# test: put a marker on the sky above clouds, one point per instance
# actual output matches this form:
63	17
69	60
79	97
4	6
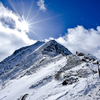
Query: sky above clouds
73	23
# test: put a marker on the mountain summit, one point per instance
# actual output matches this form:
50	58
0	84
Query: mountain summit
27	56
53	48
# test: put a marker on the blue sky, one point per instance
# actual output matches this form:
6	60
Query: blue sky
73	23
76	12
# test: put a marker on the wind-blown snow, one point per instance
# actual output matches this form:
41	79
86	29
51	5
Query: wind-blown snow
51	72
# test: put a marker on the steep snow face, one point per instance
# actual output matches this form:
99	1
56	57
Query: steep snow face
20	54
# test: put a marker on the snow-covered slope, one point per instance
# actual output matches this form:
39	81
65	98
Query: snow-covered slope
13	60
28	59
51	72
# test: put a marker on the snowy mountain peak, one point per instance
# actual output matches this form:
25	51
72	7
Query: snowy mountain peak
49	66
28	56
53	48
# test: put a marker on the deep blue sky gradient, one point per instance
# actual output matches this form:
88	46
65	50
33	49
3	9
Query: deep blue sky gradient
76	12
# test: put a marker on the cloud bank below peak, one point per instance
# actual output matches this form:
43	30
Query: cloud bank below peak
83	40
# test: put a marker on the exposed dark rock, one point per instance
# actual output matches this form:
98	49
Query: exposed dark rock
23	97
96	62
80	54
84	60
64	83
89	95
69	81
76	52
86	57
87	64
92	59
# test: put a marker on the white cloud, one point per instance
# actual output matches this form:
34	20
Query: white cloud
10	38
83	40
77	39
41	5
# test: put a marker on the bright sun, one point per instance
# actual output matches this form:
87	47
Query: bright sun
24	26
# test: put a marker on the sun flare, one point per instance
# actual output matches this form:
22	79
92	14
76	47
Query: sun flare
24	26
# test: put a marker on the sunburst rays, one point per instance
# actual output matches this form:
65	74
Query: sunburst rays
46	19
13	7
29	10
26	24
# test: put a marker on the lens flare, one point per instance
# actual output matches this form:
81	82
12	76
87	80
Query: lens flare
24	26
